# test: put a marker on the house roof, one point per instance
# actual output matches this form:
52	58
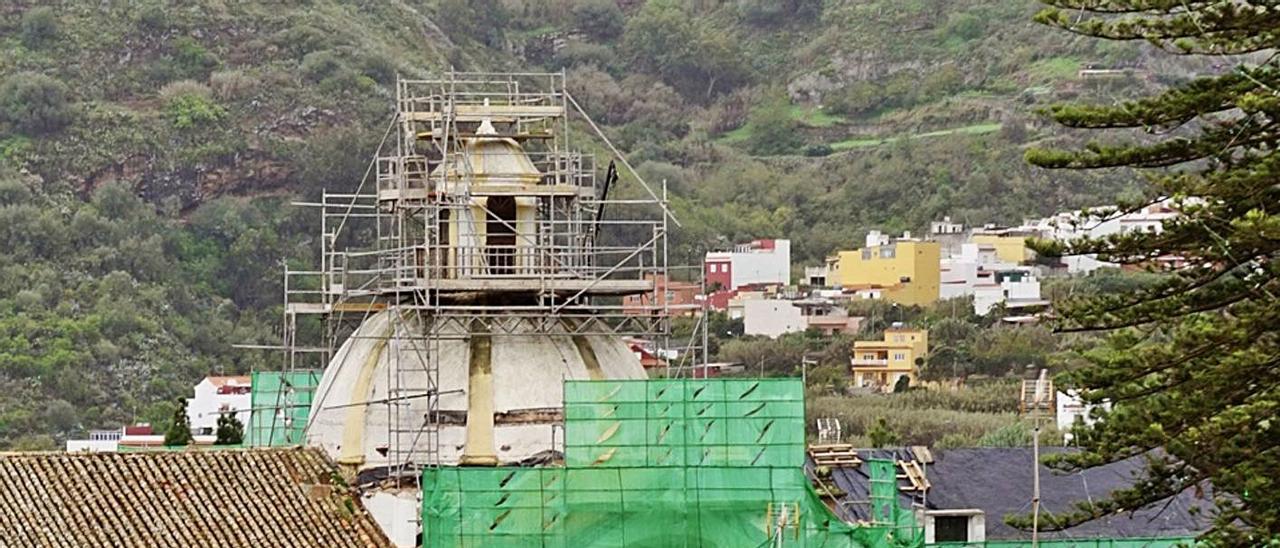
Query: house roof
250	498
237	380
998	481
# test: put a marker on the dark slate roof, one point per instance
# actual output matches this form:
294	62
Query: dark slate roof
998	481
232	498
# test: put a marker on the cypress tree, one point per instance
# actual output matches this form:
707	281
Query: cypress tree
230	430
1192	364
179	432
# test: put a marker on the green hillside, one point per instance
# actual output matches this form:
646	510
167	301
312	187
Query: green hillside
148	149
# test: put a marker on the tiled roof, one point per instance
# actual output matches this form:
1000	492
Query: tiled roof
239	380
251	498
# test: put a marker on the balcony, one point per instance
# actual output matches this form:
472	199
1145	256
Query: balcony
869	362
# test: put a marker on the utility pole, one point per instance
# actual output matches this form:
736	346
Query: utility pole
1042	392
805	362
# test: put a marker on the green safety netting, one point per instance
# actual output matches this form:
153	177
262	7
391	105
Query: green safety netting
281	402
1078	543
706	507
679	463
684	423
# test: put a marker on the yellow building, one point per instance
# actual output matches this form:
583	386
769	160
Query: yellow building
1009	249
903	271
879	364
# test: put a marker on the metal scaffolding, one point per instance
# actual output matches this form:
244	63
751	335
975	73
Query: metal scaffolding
452	237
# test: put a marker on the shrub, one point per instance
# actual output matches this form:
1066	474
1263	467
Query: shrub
39	25
319	65
192	60
34	103
188	105
965	26
599	19
577	54
817	150
151	16
303	39
231	84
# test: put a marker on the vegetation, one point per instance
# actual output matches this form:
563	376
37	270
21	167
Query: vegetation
978	415
148	151
179	431
230	430
1190	367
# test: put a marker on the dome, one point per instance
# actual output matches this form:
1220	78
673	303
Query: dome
493	160
501	395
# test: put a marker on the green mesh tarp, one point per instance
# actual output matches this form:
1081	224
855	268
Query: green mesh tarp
1078	543
662	463
707	507
684	422
281	403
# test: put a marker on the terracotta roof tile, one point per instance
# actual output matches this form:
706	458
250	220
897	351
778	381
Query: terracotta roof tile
232	498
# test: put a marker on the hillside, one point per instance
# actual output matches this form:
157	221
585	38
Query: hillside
148	149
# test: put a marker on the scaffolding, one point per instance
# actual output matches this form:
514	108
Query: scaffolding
479	215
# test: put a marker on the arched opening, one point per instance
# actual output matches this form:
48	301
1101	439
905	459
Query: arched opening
500	235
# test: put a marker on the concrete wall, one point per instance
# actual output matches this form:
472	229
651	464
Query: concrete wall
771	317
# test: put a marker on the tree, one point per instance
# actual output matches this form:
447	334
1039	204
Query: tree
600	19
1191	366
880	435
773	131
179	432
902	385
34	103
230	430
693	56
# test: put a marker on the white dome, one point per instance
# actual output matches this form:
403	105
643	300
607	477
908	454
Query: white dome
501	394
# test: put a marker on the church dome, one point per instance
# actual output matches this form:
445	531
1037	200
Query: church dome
501	393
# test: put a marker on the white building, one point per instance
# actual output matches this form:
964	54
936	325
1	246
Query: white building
979	273
761	262
137	436
100	441
1103	222
1071	408
215	396
774	317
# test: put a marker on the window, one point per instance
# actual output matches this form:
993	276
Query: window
888	252
866	254
899	356
951	529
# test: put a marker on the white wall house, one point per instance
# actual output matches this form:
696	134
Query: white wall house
762	262
771	317
99	441
215	396
1071	407
1072	225
977	272
774	317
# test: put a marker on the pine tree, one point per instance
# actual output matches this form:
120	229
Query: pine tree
179	432
230	430
1192	366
